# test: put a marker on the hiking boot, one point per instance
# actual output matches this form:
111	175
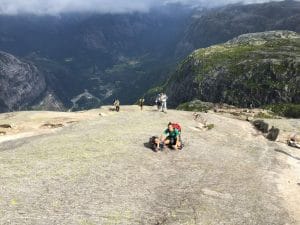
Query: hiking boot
161	146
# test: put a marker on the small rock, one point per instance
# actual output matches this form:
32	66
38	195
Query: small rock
249	118
6	126
52	126
72	121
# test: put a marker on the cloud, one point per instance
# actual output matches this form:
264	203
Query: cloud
61	6
102	6
213	3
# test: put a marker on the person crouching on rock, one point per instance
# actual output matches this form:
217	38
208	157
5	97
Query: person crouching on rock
171	137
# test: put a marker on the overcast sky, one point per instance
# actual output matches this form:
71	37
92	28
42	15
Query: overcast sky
103	6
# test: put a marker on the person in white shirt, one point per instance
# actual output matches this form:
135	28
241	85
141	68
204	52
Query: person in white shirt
164	99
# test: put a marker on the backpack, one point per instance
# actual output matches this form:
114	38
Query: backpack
152	144
177	126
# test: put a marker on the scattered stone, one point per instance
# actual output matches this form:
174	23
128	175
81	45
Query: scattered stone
2	133
52	126
73	121
6	126
249	118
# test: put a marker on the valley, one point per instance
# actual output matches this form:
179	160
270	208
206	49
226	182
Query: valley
124	55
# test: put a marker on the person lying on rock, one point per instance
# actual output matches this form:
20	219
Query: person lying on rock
170	138
294	141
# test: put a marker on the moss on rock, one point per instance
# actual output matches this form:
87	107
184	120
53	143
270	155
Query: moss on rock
253	69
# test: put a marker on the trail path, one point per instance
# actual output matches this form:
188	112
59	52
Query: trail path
98	171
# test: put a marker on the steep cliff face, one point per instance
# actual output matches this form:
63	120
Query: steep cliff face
110	55
20	83
258	69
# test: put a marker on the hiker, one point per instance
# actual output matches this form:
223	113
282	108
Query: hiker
141	103
164	99
294	141
117	104
171	136
158	101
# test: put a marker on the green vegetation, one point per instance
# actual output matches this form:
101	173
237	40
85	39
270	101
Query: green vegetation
263	115
254	69
287	110
156	90
151	94
123	67
195	106
230	55
210	126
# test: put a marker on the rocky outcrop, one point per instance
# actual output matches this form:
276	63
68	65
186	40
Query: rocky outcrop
21	83
253	69
218	25
85	101
49	102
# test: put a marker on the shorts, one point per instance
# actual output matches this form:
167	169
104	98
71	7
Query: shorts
172	140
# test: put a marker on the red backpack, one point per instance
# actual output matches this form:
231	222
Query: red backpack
177	126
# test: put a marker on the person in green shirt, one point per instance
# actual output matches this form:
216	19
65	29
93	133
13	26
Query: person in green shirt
171	137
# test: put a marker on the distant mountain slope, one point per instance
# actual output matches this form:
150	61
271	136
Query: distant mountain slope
257	69
123	55
106	54
21	83
208	27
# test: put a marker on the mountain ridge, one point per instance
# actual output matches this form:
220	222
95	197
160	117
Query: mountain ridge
122	56
252	69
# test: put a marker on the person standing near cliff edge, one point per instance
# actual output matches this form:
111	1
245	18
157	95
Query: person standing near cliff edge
141	103
117	104
164	99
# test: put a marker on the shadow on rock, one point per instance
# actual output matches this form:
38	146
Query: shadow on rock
149	146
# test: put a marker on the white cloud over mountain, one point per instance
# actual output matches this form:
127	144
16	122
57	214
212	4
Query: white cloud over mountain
102	6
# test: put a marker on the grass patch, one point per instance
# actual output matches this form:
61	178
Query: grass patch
195	106
210	126
285	109
263	115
